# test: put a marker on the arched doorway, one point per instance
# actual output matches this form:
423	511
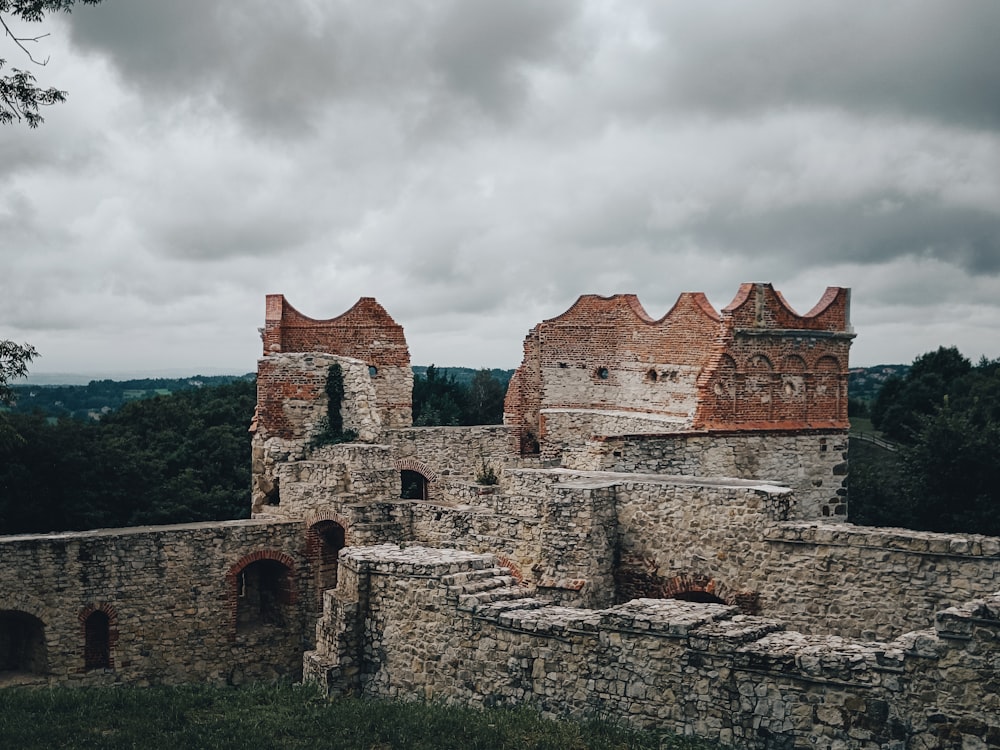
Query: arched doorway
327	539
22	643
413	485
263	595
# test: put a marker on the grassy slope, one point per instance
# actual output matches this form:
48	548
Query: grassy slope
287	717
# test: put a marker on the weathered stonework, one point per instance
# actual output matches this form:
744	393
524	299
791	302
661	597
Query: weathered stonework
173	595
700	457
451	626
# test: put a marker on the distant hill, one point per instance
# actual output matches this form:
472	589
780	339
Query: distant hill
864	383
99	397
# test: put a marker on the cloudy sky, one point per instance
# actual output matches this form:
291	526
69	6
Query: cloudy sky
476	165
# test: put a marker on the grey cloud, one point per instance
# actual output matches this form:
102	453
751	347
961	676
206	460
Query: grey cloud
937	60
482	46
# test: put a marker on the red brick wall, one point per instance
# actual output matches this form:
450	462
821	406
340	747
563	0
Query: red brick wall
757	365
365	332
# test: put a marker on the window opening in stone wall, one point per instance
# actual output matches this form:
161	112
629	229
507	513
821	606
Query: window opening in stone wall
264	595
22	643
651	376
97	641
702	597
602	373
331	538
413	485
372	371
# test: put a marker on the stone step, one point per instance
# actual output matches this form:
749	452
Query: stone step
495	610
466	576
472	602
479	587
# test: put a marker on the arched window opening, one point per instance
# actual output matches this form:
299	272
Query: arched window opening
702	597
263	595
602	373
331	538
413	485
22	643
651	376
97	641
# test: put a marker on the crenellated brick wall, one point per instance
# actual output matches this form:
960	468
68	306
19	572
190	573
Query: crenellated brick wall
756	366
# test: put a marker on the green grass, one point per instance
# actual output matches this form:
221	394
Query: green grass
288	717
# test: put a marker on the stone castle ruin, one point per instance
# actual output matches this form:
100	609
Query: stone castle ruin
665	543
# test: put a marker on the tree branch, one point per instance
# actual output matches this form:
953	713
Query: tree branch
19	41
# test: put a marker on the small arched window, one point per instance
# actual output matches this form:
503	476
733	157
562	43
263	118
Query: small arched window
602	373
413	485
97	641
263	595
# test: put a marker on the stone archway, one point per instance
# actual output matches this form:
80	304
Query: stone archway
415	479
22	643
261	590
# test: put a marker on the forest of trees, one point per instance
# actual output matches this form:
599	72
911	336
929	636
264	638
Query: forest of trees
173	458
944	414
185	457
168	459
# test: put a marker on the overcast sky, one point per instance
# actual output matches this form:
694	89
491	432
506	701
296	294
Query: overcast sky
476	165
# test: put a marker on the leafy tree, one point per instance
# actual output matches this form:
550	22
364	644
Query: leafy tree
20	97
485	399
14	359
946	475
170	459
903	402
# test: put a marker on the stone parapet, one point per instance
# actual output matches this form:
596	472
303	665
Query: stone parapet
686	667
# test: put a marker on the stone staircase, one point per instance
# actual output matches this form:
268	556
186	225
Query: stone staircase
490	590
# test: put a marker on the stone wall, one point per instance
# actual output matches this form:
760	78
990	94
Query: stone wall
451	626
813	464
366	332
179	604
445	453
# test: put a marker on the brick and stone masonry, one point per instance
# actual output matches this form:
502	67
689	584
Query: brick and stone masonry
666	544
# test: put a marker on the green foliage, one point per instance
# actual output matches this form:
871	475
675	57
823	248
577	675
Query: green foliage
98	397
440	398
14	359
20	98
282	716
945	413
331	427
170	459
486	474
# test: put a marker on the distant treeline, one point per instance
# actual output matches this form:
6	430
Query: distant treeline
458	396
168	459
99	397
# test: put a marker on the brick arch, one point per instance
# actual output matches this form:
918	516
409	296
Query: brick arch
323	559
112	636
515	569
329	515
412	464
747	601
232	575
793	363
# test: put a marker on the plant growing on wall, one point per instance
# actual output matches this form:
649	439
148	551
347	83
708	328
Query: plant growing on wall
331	426
486	474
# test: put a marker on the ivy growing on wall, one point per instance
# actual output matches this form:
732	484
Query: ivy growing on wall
332	425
